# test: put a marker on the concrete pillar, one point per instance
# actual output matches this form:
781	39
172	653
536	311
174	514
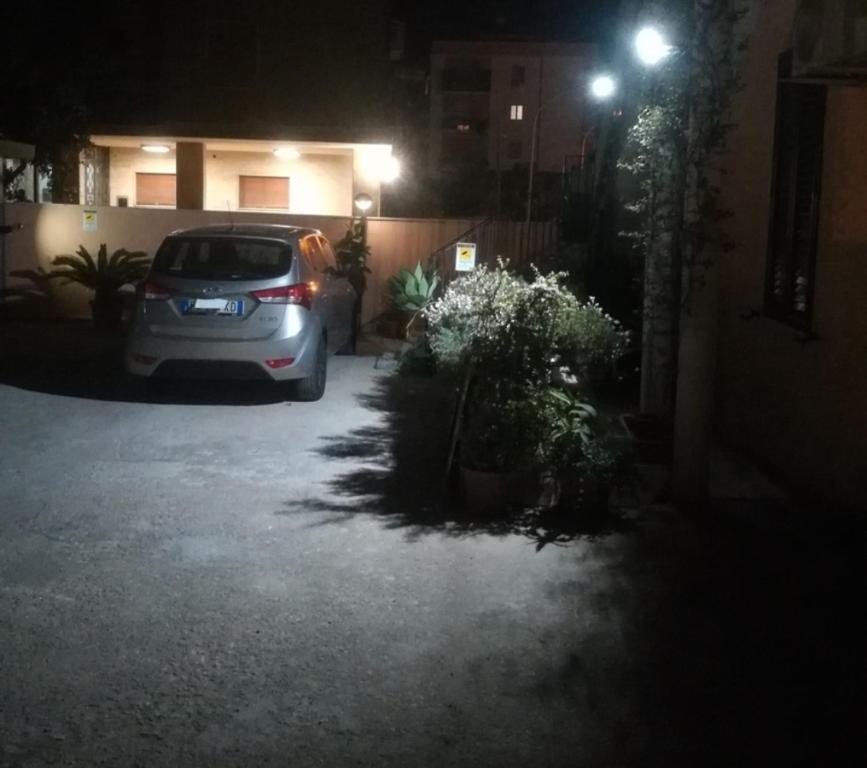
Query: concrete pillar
190	175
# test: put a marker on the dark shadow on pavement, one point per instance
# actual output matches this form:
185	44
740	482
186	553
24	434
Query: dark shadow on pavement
396	471
709	641
71	359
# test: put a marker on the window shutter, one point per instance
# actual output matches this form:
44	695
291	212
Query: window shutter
155	189
264	192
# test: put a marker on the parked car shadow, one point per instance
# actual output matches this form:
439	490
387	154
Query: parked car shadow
396	471
73	360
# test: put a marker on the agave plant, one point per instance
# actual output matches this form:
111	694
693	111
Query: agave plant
413	291
104	275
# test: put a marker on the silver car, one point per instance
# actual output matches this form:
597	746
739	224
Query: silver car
242	301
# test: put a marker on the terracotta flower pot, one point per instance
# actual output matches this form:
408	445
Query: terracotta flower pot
496	491
107	311
487	492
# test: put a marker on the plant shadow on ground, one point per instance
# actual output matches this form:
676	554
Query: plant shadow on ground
396	471
710	641
72	360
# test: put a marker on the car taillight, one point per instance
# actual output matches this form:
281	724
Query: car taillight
301	294
155	292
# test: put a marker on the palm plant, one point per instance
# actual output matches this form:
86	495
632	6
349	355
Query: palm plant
104	275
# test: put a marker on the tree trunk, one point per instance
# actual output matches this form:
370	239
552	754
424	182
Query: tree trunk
693	422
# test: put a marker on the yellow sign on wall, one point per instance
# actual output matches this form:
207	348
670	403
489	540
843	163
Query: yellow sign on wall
465	257
89	221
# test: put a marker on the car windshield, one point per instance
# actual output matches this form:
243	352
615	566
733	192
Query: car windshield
222	258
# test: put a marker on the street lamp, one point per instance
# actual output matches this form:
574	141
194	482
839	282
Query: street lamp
603	87
651	47
363	201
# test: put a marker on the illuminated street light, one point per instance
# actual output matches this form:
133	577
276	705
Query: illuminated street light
603	87
650	46
363	201
390	170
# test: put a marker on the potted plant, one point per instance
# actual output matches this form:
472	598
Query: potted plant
409	293
352	253
519	428
105	276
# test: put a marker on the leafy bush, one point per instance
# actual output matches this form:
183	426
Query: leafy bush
522	328
352	253
590	339
514	337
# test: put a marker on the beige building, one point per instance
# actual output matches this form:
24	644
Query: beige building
279	176
792	369
486	97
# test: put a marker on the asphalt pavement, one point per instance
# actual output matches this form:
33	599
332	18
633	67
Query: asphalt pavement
219	576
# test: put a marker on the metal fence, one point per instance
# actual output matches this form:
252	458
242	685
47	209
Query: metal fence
514	241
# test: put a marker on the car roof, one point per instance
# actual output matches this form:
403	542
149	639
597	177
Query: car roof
283	232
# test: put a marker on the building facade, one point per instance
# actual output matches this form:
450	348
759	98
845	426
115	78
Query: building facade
791	384
489	99
276	176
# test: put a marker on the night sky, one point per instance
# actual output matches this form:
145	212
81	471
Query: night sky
567	20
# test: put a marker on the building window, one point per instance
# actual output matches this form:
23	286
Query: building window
263	192
797	177
156	189
462	127
514	150
516	112
519	74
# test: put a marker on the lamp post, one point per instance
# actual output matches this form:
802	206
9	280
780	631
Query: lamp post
363	201
602	88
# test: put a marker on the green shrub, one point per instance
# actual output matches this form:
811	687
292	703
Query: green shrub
526	328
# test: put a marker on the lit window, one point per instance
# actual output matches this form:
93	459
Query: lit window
516	112
462	127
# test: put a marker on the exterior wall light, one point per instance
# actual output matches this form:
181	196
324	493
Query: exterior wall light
603	87
390	170
287	153
156	149
363	201
651	47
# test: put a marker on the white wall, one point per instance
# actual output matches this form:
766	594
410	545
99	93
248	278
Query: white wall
49	230
319	184
126	163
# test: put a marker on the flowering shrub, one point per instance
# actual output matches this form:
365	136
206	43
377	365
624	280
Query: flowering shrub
524	328
513	338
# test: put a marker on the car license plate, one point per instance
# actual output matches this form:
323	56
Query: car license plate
217	306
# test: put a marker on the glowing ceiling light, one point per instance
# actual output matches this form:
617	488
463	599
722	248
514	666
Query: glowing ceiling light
287	153
156	149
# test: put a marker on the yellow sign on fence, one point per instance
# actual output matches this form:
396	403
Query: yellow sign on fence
465	257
